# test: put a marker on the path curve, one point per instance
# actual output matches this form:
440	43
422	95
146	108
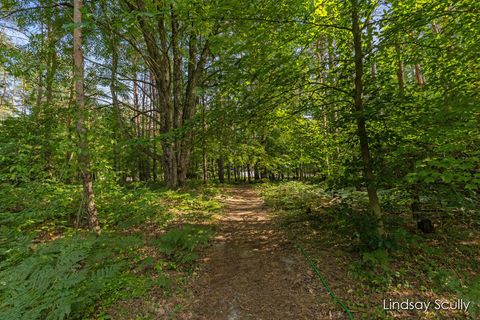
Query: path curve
252	272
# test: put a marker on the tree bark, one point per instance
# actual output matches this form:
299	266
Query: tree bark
119	130
221	171
256	172
49	79
229	168
176	60
419	75
361	121
83	156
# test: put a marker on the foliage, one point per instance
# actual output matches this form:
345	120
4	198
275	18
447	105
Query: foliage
31	206
49	270
57	280
342	101
182	243
292	195
439	264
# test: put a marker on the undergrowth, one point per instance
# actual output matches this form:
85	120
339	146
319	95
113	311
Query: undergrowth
51	268
443	264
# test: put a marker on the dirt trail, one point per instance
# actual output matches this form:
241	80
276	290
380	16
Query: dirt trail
252	272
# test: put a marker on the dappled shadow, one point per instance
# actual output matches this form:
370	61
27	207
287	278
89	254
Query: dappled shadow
251	271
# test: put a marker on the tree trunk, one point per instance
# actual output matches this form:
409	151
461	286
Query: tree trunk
115	103
221	171
373	69
176	60
154	126
83	156
229	168
49	79
361	121
419	75
400	69
4	83
256	172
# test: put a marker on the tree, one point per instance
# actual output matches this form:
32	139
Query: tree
176	54
82	113
360	115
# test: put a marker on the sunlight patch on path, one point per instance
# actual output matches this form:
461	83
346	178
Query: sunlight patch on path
251	271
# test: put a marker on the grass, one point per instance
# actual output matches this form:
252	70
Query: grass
151	238
364	268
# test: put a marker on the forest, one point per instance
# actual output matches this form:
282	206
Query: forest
227	159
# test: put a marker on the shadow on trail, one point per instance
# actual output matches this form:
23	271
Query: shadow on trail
252	272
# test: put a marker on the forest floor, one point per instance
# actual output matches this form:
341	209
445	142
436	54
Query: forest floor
226	252
252	271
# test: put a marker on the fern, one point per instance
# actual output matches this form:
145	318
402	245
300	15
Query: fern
14	246
55	282
180	244
34	288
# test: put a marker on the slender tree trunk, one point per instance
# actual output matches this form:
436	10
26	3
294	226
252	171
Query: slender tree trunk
204	147
361	121
229	168
118	128
221	171
70	134
49	79
39	98
213	168
145	130
178	155
373	69
14	93
419	75
83	156
154	125
400	69
24	102
4	88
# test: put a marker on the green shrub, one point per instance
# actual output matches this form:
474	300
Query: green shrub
292	195
373	268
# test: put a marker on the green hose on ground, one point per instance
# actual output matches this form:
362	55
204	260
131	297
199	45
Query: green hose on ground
330	292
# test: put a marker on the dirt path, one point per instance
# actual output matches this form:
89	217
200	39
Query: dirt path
252	272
